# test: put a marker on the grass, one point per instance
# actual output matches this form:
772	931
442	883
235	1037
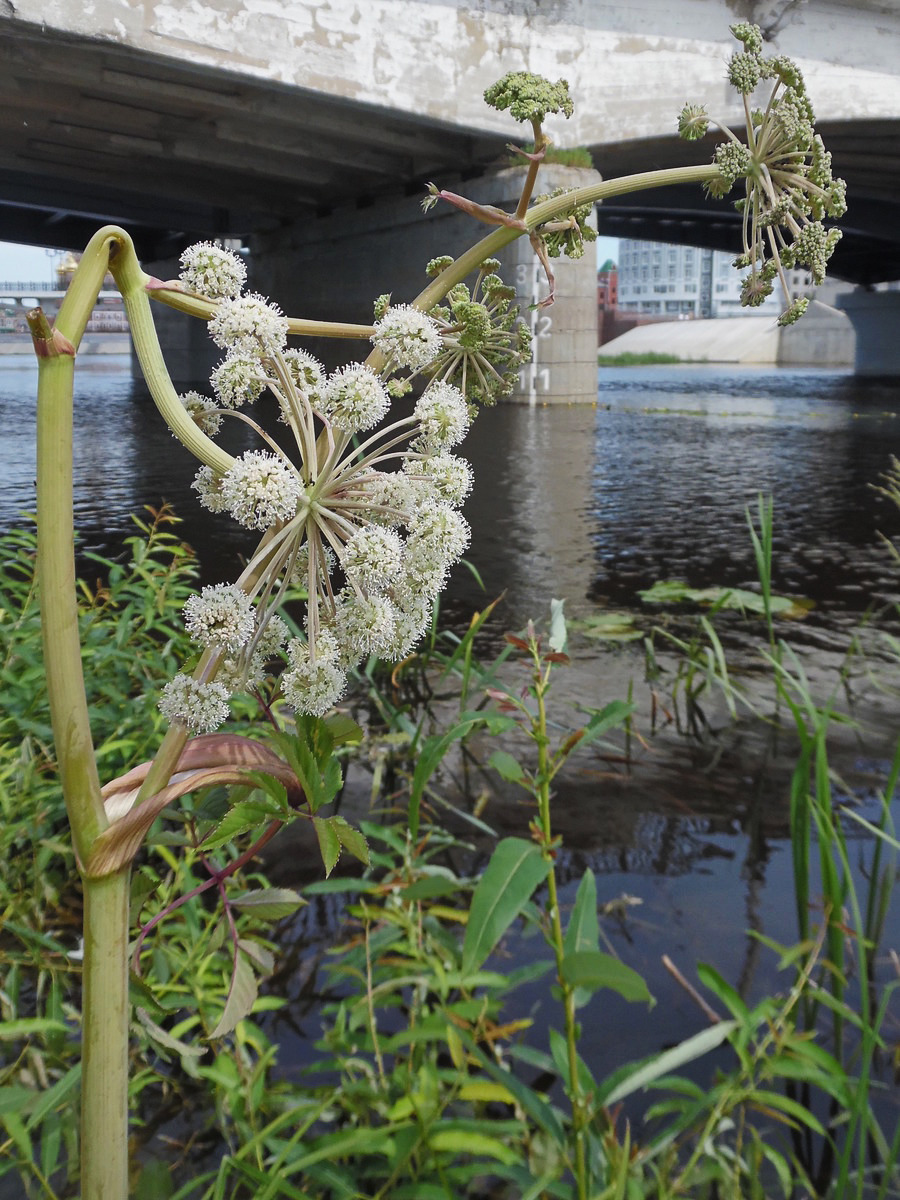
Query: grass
646	358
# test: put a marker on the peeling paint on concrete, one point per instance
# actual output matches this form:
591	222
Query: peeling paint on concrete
628	65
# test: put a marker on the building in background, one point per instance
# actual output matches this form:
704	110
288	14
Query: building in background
684	282
106	330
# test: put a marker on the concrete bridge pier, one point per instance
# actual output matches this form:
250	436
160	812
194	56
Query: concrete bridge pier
876	320
334	267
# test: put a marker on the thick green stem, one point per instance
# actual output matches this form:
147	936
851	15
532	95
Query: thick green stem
59	609
104	1085
104	1035
170	293
533	167
132	283
550	210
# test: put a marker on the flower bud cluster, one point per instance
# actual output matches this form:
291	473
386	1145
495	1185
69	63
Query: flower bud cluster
529	97
485	341
786	171
574	232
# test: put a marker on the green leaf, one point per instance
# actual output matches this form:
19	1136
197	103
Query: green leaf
674	592
609	717
558	633
241	996
611	627
506	766
635	1076
343	729
559	1050
165	1039
593	970
25	1027
467	1141
249	814
713	980
528	1099
154	1182
433	750
515	870
329	842
430	886
269	903
53	1096
311	757
351	839
583	930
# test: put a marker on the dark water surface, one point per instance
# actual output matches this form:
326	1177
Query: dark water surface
591	504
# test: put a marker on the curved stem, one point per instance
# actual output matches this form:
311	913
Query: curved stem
548	210
197	306
104	1084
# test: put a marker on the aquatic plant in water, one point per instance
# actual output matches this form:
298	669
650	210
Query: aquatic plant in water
363	516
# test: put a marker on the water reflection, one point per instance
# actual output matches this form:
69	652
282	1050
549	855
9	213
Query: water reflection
583	503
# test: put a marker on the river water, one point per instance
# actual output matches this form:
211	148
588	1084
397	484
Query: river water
591	504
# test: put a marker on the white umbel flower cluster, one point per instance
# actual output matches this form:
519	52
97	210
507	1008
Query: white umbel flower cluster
367	522
407	337
203	412
260	489
443	415
200	707
237	381
222	615
249	325
355	399
213	272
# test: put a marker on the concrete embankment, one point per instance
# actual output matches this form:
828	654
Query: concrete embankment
97	343
823	337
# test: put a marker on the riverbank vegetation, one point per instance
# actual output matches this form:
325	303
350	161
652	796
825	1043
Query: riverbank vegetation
432	1075
631	358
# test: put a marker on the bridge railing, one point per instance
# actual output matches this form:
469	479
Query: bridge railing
26	288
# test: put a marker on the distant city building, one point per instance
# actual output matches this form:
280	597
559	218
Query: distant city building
683	282
608	285
17	299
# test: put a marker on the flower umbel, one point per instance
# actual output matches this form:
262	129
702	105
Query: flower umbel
788	185
366	522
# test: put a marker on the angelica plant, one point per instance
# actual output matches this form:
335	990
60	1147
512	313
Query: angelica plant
359	508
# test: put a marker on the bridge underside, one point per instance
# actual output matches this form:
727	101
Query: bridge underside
865	154
91	132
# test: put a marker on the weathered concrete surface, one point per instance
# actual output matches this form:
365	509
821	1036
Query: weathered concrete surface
335	267
824	337
876	319
627	63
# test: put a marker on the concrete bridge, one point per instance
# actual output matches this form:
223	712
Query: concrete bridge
303	126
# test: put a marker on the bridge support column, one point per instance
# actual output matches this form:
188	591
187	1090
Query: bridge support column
876	319
334	267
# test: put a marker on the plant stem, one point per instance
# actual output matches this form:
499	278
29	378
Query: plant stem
544	773
549	210
104	1033
104	1083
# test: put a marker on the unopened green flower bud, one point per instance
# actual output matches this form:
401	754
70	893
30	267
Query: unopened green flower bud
529	97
